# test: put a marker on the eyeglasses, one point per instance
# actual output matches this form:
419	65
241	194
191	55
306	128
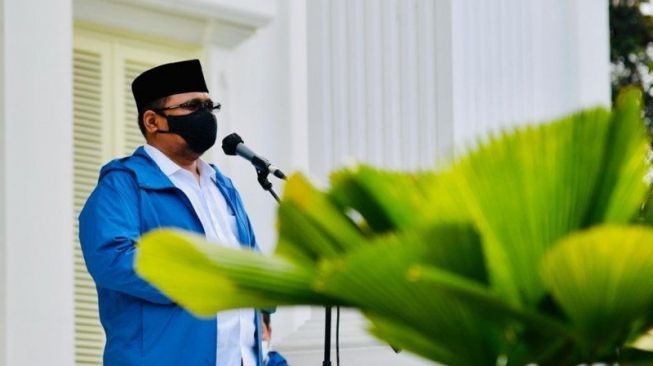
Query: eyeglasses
193	106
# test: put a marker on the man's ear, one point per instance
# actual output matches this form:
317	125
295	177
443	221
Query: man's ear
149	121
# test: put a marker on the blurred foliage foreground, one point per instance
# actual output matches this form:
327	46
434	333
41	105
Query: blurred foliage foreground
532	248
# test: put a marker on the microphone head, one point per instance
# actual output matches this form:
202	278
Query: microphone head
230	142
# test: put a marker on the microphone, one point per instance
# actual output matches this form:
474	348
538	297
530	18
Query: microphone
234	145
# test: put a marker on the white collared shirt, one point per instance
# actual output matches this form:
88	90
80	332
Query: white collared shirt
235	327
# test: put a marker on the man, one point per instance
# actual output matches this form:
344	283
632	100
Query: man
166	184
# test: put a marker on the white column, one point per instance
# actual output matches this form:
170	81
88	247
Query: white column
320	103
298	87
379	83
3	231
592	42
36	183
442	85
517	62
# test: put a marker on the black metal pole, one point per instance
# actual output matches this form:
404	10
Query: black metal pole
262	175
327	336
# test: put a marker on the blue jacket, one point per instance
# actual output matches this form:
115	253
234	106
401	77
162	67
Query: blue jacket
276	359
142	325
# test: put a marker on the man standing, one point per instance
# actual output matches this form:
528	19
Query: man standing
166	184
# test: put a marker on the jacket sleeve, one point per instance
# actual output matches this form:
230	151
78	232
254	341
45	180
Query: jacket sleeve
109	226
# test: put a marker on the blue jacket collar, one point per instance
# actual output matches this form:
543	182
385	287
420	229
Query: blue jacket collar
147	172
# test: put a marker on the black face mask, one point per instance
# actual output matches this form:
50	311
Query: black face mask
199	129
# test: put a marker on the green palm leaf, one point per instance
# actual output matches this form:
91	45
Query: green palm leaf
527	189
205	277
603	279
311	225
633	356
373	278
393	201
621	186
405	337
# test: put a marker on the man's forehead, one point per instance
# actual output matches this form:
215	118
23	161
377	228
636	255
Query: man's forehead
183	97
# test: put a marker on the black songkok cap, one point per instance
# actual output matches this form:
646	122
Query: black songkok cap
168	79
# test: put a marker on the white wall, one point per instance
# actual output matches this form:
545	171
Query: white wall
399	83
592	35
36	184
519	61
380	84
251	82
3	232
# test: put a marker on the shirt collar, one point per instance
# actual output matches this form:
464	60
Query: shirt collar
206	170
169	167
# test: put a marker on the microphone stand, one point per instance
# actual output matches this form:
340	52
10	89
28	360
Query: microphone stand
262	176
